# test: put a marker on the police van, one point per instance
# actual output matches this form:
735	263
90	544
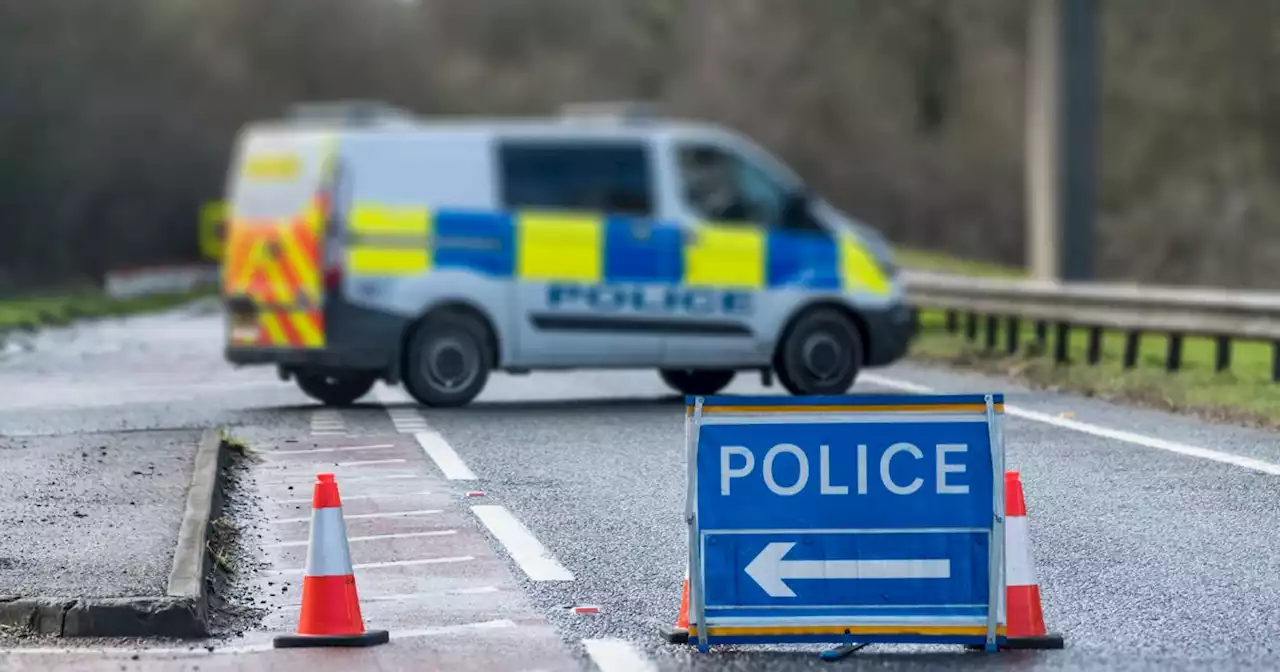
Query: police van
366	244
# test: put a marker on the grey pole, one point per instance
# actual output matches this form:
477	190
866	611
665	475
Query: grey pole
1062	138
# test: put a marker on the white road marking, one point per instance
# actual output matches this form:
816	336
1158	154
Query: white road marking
345	498
327	423
366	463
408	422
616	655
308	480
359	516
1270	468
201	652
391	563
529	553
410	597
372	537
344	449
440	452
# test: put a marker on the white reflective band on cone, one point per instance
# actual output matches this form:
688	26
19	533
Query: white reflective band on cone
328	554
1019	566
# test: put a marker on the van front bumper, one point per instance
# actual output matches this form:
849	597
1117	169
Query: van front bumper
320	359
890	332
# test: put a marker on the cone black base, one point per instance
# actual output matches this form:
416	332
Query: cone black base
675	635
1050	642
369	638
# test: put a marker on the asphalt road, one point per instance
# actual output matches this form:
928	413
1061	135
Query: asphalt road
1155	535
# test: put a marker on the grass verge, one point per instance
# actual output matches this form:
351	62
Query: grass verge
1243	394
34	313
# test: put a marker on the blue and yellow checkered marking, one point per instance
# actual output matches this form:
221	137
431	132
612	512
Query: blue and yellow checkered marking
641	251
589	248
483	242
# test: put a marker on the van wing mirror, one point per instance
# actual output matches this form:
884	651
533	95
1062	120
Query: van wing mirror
795	211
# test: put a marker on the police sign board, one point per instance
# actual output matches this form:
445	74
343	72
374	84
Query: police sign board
846	519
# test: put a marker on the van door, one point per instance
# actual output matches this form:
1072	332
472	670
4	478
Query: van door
591	263
271	275
745	249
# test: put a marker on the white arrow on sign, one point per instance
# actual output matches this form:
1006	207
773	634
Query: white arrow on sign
770	571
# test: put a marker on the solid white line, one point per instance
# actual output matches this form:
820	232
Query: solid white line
327	450
1103	432
366	463
536	561
345	498
440	452
616	655
372	537
389	514
392	563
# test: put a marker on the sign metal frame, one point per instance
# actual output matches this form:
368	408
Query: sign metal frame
702	632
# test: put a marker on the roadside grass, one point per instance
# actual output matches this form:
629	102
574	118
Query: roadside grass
34	313
1243	394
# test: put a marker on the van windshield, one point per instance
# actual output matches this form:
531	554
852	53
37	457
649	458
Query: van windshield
275	176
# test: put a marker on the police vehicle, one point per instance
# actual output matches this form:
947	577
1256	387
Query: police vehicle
366	244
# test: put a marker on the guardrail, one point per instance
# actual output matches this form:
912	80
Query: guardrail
1223	315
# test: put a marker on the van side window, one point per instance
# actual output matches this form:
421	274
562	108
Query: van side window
721	186
601	177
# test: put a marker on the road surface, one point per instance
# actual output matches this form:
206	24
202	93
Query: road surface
1156	536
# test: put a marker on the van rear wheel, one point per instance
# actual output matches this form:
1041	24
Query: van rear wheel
336	389
697	381
820	354
449	360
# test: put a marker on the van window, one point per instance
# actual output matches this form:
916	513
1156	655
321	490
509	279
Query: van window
722	186
607	177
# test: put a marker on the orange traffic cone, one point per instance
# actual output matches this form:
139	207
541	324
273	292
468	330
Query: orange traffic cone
330	606
680	633
1022	589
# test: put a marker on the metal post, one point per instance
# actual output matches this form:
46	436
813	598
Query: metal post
1062	128
995	564
698	619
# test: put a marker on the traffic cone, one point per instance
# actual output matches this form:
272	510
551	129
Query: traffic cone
330	606
1022	589
680	633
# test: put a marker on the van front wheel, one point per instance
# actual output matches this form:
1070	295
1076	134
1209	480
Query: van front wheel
336	390
697	381
449	361
820	354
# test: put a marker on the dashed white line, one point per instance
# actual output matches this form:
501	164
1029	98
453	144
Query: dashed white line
616	655
440	452
343	449
372	537
364	516
327	423
529	553
408	422
1099	431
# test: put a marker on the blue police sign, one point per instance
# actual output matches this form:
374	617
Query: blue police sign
846	519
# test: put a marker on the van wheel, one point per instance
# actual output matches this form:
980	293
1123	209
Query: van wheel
338	389
697	381
820	354
449	360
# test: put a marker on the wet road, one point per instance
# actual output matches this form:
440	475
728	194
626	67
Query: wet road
1155	535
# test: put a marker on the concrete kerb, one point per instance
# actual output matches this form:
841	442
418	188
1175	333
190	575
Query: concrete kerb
182	613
